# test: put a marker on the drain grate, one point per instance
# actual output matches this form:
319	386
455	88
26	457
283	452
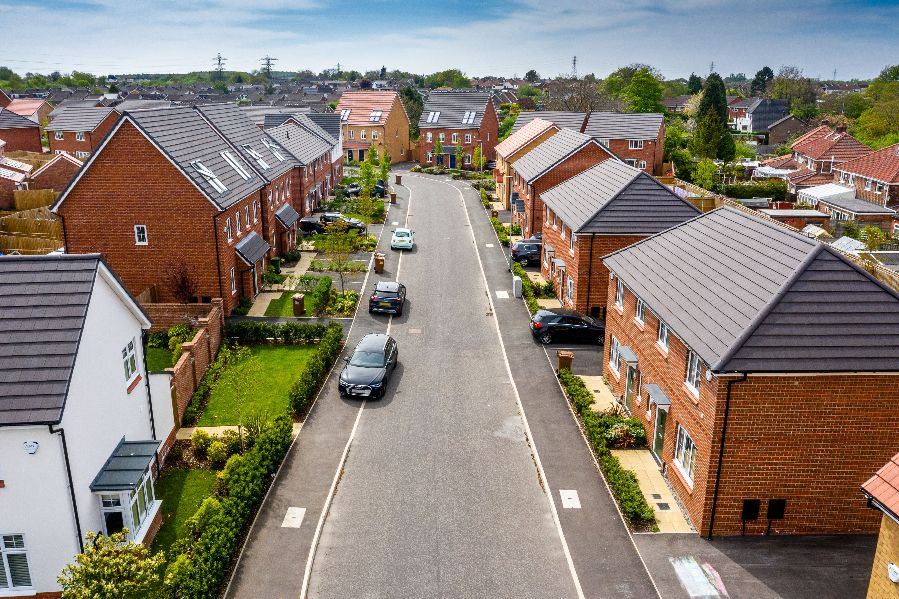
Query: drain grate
663	506
656	496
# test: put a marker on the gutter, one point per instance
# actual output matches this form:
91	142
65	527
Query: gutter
218	260
143	340
65	453
730	384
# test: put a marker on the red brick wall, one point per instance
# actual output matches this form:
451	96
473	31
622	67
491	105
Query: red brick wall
7	197
449	148
25	138
57	176
812	440
799	222
889	197
92	139
652	152
489	131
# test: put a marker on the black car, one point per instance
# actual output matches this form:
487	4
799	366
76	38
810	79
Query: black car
311	225
561	324
388	296
527	251
329	218
368	370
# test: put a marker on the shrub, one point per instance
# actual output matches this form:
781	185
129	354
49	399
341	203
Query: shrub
317	266
306	283
158	339
200	441
515	230
315	369
343	303
231	439
178	334
484	199
770	188
502	232
243	306
549	289
415	169
249	332
378	212
321	294
527	287
217	453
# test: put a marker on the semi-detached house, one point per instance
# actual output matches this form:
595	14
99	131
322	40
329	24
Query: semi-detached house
374	117
637	138
514	147
77	131
455	119
757	360
182	188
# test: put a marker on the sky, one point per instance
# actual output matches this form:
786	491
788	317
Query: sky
857	39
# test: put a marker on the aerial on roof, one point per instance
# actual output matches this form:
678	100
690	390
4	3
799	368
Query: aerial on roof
457	109
562	119
883	488
882	165
79	118
749	295
522	137
619	125
613	198
11	120
560	146
836	147
359	107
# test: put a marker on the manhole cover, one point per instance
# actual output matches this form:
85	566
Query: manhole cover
663	506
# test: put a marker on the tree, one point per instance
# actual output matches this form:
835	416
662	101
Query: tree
706	174
707	136
114	568
367	169
644	93
383	74
337	246
365	84
851	105
694	83
799	91
414	104
242	375
532	76
619	79
438	151
675	137
576	96
761	81
179	281
889	73
508	115
873	237
453	78
714	98
529	91
727	148
460	156
384	165
479	160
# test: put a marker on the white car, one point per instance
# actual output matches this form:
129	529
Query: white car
402	239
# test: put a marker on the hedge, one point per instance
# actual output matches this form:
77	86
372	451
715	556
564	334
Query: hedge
772	188
623	482
315	369
199	561
527	288
502	232
247	332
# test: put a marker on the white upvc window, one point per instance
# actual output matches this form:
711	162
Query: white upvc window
210	177
374	134
641	164
442	137
433	117
129	359
685	453
614	354
635	144
468	138
868	184
127	509
662	338
288	187
238	167
271	201
455	138
233	283
402	151
429	136
430	156
570	288
15	575
229	233
878	188
352	134
362	133
571	241
81	155
468	159
842	177
603	142
640	312
246	214
255	212
140	235
619	294
345	114
79	136
694	369
237	225
375	116
273	149
57	135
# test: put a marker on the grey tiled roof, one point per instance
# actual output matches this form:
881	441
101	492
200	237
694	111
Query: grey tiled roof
748	295
238	129
536	162
79	118
452	106
624	125
43	304
252	248
855	205
63	106
329	121
287	216
141	105
11	120
125	467
185	136
562	119
613	198
302	145
310	125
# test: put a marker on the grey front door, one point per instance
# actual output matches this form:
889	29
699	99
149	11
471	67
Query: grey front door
658	440
630	388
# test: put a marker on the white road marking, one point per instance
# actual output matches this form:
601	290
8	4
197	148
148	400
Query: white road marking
395	223
490	245
294	517
570	500
693	578
501	294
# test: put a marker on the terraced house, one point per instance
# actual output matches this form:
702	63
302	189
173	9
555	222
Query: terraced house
374	117
637	138
757	360
183	189
457	118
78	131
514	147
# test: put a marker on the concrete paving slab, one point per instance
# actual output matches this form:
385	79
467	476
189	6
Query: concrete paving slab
669	516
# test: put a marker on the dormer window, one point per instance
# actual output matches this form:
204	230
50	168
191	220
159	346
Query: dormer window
238	167
345	114
256	156
433	116
375	116
274	150
210	177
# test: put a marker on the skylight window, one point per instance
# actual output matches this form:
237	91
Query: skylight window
209	176
345	114
468	118
229	158
256	156
375	116
274	150
433	116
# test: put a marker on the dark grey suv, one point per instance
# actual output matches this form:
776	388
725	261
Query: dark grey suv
368	370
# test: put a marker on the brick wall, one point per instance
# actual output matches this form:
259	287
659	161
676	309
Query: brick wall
7	195
812	440
799	222
56	176
651	153
92	139
489	131
881	587
449	148
889	197
24	138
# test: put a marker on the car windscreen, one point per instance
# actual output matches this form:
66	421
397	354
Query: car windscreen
382	293
367	359
402	234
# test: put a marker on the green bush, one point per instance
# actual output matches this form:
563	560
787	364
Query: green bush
320	295
600	429
770	188
249	332
515	230
159	339
416	169
178	334
243	306
306	283
343	303
502	232
315	369
231	439
200	441
527	287
484	199
217	453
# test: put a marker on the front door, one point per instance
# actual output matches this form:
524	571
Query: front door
452	161
658	440
630	388
361	155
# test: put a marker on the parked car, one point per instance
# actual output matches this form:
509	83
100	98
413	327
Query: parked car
527	251
310	224
403	239
354	189
368	370
389	297
561	324
329	218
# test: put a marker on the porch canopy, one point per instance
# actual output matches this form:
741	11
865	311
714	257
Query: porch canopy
126	466
287	216
628	355
657	396
252	248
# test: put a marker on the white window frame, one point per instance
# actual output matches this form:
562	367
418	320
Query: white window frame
4	562
640	311
455	138
878	188
246	215
57	135
81	154
138	229
868	184
352	134
429	136
685	454
237	224
694	372
233	282
210	177
362	134
615	355
641	164
430	157
274	150
374	134
79	136
233	163
256	156
129	361
571	241
570	288
229	232
345	114
619	294
468	138
635	144
441	136
467	159
603	142
255	212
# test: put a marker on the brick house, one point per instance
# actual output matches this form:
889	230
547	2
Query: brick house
557	159
865	214
825	149
576	121
56	173
329	122
35	110
798	218
757	360
781	130
314	154
512	148
77	131
755	115
874	176
603	209
19	133
181	186
882	493
637	138
377	117
457	118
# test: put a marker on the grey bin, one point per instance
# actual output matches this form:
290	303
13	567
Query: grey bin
516	286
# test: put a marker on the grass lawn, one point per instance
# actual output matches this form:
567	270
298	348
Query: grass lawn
158	359
279	366
283	306
181	492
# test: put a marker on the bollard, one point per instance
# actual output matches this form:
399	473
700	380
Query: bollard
516	286
393	197
399	179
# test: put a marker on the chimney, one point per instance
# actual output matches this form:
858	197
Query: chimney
841	129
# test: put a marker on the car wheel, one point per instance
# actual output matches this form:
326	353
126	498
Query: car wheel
546	338
523	261
399	312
